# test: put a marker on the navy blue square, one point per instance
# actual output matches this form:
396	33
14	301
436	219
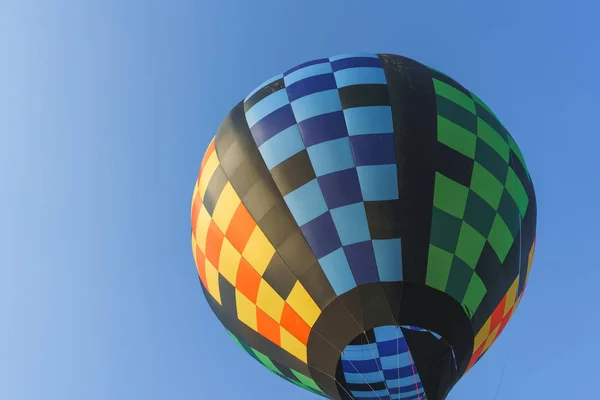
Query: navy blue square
272	124
323	128
306	64
378	149
340	188
361	258
355	62
321	235
314	84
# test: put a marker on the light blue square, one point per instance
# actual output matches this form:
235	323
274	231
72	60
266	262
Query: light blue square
388	254
352	55
332	156
351	223
409	395
366	377
306	203
266	106
369	120
377	394
406	381
361	352
395	362
307	72
378	182
360	76
319	103
387	333
337	270
282	146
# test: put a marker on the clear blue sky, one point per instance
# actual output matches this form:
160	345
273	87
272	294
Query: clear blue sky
106	109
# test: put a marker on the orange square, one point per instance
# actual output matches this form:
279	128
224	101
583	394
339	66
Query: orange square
248	280
241	227
268	327
498	314
195	211
200	267
207	154
214	240
294	324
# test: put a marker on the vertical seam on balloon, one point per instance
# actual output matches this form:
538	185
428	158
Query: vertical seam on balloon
262	278
303	237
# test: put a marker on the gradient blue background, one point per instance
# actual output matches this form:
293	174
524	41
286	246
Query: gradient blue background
106	109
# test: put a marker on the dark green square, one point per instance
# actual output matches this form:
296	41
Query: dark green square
509	211
479	214
444	230
459	279
457	114
491	160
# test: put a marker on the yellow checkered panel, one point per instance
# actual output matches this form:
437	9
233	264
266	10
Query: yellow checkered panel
227	242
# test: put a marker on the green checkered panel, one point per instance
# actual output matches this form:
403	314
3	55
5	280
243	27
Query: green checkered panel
480	200
288	374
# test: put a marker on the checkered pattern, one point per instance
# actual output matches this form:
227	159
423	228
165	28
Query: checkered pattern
234	256
496	323
479	199
332	117
288	374
382	369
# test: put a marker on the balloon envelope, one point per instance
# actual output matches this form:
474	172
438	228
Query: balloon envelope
364	227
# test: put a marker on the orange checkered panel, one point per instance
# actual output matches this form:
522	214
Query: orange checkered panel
496	323
229	244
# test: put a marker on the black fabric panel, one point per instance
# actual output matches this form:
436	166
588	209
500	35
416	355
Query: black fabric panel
264	92
296	253
434	362
339	327
353	304
278	223
453	165
364	96
317	285
248	174
213	190
412	304
375	308
293	173
385	219
279	276
414	113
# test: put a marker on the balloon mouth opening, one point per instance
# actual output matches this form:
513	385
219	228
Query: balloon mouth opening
379	363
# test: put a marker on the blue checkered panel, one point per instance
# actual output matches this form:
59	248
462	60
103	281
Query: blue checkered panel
383	369
330	148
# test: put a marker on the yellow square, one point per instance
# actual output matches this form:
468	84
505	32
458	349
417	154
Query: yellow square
483	333
303	304
246	310
258	251
229	260
209	169
269	301
194	249
212	281
202	224
511	296
226	206
492	338
292	345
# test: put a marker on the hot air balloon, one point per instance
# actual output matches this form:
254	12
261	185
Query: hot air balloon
364	227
